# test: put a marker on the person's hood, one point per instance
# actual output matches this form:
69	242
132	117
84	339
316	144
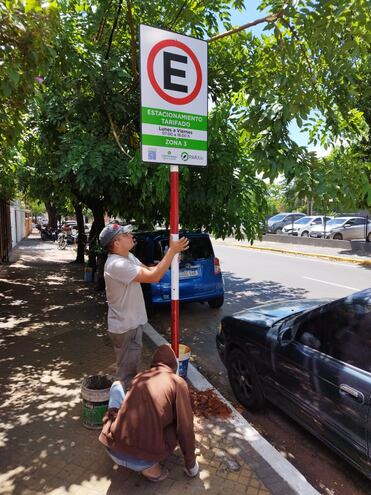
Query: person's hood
164	354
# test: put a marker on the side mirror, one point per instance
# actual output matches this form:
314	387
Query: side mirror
286	336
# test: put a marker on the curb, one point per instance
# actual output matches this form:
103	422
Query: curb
301	253
284	469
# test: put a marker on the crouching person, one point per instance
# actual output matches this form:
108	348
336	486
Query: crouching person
142	428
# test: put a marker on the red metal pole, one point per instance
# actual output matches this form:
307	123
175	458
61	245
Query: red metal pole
174	234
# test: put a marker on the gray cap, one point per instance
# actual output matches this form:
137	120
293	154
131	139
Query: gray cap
111	231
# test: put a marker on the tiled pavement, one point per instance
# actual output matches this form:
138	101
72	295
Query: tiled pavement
52	334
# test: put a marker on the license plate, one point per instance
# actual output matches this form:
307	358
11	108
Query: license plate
188	273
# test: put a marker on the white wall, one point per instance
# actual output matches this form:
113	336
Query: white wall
17	218
13	225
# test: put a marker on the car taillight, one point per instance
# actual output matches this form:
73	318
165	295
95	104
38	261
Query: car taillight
216	266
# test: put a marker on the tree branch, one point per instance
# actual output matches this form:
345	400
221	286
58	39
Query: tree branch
133	48
102	22
113	29
268	18
114	133
178	14
300	43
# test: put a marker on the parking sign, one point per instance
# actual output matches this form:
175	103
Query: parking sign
173	71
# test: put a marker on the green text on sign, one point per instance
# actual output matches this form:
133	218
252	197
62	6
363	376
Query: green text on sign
169	142
173	118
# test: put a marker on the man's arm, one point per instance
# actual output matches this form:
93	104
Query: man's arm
148	275
185	430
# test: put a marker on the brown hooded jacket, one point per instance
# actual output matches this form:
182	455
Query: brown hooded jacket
155	415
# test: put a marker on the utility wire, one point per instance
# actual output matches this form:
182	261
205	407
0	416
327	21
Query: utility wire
178	14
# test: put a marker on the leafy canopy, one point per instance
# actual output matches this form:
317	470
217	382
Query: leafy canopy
83	124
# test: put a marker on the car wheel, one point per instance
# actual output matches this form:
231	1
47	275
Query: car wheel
278	231
305	234
216	303
338	236
369	237
244	380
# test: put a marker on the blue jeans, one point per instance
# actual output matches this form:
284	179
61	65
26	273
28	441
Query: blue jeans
116	397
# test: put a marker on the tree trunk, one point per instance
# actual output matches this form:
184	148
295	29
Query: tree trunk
52	214
96	259
81	240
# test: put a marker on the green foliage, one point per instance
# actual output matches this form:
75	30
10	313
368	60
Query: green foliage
276	200
82	122
26	53
37	207
313	58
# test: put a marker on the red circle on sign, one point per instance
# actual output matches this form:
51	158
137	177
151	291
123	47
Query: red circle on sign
151	59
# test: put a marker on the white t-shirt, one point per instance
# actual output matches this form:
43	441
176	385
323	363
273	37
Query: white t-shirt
126	308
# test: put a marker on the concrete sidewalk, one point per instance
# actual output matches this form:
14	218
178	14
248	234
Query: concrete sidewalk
54	333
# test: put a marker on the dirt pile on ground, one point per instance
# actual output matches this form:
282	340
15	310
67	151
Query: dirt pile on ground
206	403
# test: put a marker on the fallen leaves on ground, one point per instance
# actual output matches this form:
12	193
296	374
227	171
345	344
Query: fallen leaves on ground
206	403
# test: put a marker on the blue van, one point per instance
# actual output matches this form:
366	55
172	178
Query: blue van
200	277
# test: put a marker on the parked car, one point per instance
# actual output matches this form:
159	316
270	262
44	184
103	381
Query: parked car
200	277
312	358
276	223
69	225
333	225
303	226
357	228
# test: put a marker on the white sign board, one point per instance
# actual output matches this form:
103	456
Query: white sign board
173	74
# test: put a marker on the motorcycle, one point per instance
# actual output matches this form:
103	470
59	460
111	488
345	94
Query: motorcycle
62	240
48	234
68	238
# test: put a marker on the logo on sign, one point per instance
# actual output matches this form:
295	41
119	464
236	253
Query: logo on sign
174	68
184	156
152	154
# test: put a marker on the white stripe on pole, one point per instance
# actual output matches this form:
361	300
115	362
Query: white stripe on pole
175	273
175	262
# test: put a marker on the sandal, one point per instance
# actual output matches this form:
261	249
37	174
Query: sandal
164	474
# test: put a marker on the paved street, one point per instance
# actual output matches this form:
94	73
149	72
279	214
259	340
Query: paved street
253	277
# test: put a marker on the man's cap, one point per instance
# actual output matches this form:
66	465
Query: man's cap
111	231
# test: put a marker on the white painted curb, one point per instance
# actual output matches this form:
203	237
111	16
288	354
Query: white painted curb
277	462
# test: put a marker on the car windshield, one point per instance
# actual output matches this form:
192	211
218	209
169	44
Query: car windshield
303	220
336	221
199	248
277	218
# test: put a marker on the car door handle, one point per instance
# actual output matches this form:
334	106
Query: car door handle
355	394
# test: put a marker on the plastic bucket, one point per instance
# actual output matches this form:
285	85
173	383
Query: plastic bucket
184	355
88	274
95	396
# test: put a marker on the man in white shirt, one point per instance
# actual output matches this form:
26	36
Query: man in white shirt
123	274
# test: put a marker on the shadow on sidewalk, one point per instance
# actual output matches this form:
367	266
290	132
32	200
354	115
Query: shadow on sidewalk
53	333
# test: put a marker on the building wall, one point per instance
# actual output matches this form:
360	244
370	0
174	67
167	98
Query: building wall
5	233
18	223
13	225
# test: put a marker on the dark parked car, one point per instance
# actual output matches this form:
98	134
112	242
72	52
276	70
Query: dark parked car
312	358
200	277
276	223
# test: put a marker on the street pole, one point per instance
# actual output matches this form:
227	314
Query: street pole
174	235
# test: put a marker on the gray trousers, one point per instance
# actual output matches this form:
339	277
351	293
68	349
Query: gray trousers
128	351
